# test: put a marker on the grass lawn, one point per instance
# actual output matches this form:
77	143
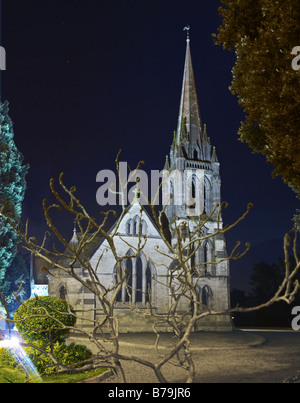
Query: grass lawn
9	375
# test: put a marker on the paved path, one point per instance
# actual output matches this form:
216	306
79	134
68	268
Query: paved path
240	356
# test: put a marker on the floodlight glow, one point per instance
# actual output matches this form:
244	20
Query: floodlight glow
16	350
13	342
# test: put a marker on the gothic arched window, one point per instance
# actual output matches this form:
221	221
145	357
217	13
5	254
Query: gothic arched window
129	227
128	280
207	256
138	276
144	227
136	226
148	282
62	292
207	194
207	253
204	199
193	186
171	192
191	193
207	296
139	280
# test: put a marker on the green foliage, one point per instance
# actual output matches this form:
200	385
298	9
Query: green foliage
44	318
263	34
72	377
72	353
6	359
265	281
67	355
13	375
18	274
41	322
12	190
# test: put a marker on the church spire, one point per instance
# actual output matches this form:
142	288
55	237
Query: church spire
189	128
74	240
193	167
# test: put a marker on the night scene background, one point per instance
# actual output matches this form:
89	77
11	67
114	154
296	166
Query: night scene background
85	78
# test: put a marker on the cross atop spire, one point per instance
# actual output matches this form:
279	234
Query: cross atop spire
187	28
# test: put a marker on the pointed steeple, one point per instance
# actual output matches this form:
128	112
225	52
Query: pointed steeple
74	240
191	156
189	128
190	143
214	157
167	165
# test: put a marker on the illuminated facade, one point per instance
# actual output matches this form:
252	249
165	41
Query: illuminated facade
191	154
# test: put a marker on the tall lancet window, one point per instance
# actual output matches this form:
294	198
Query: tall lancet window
139	280
128	281
137	273
126	291
193	186
207	296
171	192
63	292
136	226
207	254
204	199
148	283
193	192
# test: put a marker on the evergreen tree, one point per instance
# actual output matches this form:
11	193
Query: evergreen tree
17	274
263	34
12	190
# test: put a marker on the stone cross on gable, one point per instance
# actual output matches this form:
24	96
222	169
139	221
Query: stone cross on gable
136	191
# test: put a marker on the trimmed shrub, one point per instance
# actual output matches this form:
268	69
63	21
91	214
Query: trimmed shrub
72	353
40	321
44	318
65	354
43	363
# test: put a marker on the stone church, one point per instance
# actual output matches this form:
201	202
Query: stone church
192	155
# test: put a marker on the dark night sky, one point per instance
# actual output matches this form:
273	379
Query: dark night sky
87	77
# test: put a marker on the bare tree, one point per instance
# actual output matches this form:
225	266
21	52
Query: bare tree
70	259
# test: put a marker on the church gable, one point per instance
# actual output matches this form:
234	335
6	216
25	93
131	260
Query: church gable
137	237
135	230
137	221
